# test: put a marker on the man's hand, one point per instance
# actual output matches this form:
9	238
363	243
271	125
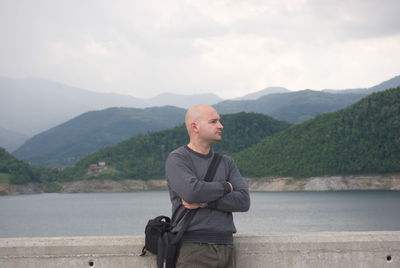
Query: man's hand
189	205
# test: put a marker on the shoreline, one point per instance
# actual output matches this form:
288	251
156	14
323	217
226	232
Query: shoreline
389	182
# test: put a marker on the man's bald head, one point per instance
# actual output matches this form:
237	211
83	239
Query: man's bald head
195	113
204	127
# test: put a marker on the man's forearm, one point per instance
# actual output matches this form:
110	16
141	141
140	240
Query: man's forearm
203	204
237	201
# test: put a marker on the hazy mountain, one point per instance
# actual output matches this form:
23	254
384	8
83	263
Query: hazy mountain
264	92
293	107
391	83
11	140
299	106
65	144
183	101
360	139
32	105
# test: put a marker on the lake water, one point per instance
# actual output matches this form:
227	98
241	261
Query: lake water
109	214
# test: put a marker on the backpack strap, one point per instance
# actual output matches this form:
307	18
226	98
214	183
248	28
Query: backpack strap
212	169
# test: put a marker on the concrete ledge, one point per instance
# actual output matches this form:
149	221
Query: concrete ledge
319	249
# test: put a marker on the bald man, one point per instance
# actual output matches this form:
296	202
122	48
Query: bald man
208	241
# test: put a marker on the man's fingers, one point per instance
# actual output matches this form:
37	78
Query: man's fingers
189	205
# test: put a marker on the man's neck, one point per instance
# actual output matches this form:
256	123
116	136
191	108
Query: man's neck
199	148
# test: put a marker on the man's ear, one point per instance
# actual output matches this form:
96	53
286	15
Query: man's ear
194	127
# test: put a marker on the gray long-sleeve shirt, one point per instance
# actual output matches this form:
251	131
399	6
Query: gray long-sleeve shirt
185	171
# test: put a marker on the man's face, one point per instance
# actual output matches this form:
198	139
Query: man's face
210	127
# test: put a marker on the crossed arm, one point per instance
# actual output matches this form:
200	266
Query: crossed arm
229	196
199	205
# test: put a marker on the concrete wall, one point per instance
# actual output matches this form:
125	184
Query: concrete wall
320	250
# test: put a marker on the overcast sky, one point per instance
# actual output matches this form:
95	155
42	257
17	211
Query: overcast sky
231	48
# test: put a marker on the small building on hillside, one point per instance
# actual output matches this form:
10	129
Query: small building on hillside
95	169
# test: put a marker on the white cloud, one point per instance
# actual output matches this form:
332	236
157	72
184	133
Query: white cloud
229	47
98	49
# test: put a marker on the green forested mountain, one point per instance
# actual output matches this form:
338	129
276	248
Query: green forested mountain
363	138
67	143
13	170
293	107
143	156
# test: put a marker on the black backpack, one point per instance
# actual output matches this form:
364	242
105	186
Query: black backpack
158	238
155	228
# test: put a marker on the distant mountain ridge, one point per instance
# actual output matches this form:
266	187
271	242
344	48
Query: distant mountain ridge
181	100
11	140
31	105
263	92
391	83
65	144
294	107
298	106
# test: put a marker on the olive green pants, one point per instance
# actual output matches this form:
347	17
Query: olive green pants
201	255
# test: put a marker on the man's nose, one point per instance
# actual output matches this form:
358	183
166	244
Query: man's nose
220	125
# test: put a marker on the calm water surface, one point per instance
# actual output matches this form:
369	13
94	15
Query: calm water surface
107	214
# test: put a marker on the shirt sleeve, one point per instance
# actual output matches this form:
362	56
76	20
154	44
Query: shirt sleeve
239	199
182	180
